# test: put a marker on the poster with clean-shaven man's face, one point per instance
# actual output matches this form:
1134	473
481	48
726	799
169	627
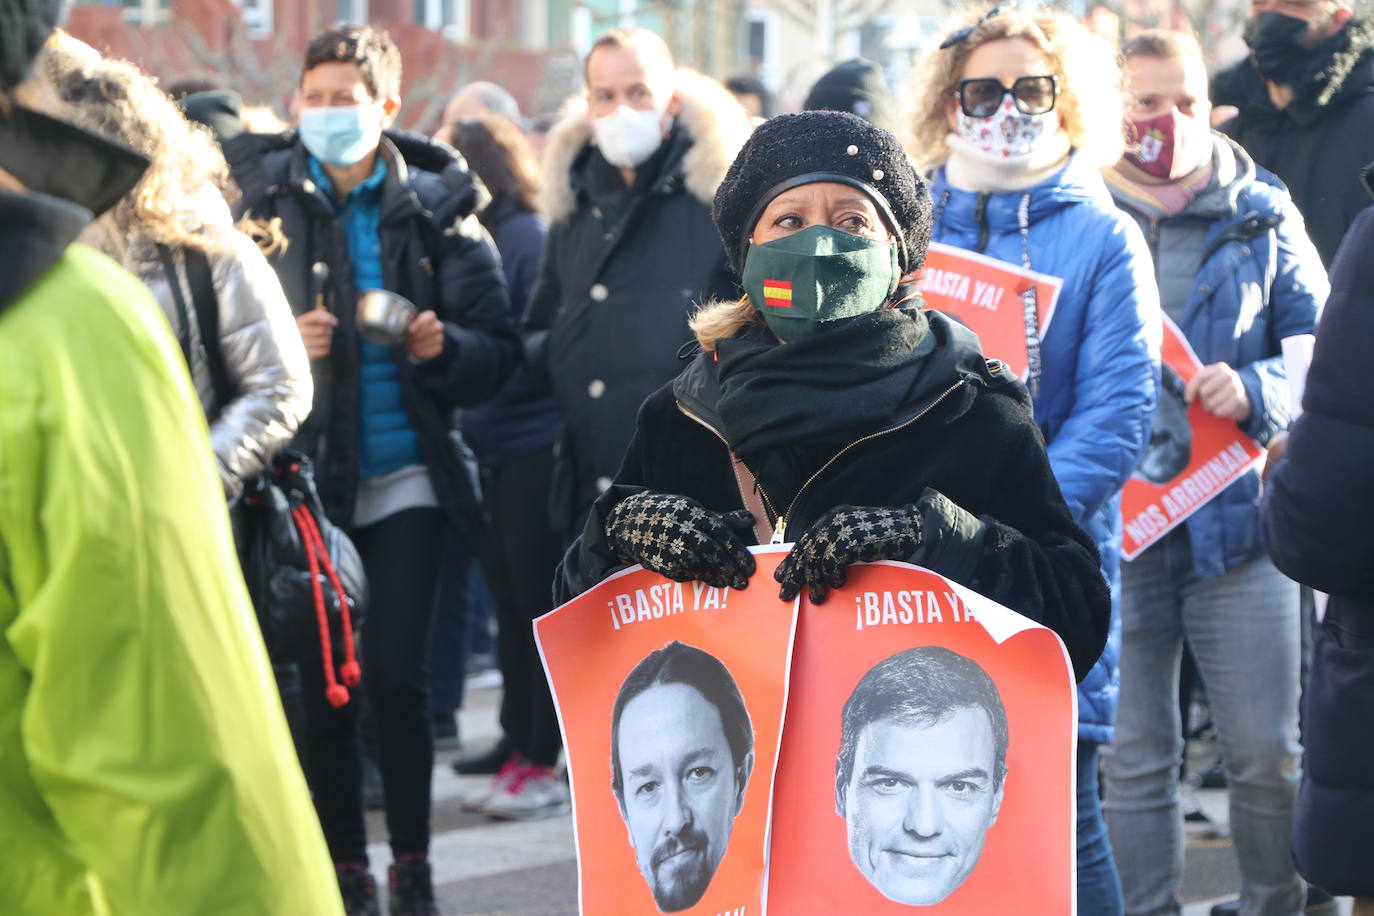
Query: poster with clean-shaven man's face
920	772
909	777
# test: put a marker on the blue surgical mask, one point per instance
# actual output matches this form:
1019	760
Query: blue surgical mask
343	135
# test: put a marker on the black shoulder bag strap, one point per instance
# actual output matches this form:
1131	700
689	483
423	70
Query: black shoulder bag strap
206	304
183	327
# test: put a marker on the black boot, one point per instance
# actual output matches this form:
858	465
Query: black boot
412	889
358	890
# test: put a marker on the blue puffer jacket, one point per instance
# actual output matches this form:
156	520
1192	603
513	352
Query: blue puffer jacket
1099	357
1260	280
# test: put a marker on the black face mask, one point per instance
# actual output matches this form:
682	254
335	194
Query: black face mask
1275	42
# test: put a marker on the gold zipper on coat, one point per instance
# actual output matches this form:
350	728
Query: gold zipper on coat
778	533
767	503
780	525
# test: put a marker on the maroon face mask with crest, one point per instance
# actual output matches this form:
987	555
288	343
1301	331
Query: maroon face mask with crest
1169	146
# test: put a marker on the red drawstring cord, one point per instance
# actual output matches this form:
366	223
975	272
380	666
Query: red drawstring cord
349	671
335	693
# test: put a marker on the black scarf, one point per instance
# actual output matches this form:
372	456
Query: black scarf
851	377
1331	64
1339	68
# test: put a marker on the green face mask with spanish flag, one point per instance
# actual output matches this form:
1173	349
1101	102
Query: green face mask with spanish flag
816	275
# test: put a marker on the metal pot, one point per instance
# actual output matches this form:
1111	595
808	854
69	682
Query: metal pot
384	317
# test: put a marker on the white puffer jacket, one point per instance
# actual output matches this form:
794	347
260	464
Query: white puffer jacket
263	353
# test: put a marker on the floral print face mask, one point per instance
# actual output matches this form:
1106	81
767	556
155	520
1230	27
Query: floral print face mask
1007	133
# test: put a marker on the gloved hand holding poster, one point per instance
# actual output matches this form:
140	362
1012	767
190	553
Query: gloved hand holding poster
1192	456
926	760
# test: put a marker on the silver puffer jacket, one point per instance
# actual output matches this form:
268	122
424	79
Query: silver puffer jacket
263	353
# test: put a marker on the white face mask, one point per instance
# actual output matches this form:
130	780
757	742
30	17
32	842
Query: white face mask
1007	133
628	136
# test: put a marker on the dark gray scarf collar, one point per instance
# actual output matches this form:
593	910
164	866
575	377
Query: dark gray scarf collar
853	377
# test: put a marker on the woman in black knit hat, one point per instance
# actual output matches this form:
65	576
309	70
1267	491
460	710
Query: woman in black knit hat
853	408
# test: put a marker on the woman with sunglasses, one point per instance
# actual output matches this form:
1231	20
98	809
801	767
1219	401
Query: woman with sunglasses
1013	117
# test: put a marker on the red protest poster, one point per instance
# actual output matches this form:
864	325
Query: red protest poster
671	699
928	756
985	294
1192	456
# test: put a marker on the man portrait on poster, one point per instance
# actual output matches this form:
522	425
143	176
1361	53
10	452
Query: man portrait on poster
1171	437
682	750
920	772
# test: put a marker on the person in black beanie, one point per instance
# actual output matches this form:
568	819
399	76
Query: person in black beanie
221	110
857	86
753	96
851	407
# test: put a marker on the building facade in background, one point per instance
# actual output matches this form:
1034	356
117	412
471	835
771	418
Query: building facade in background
531	47
534	47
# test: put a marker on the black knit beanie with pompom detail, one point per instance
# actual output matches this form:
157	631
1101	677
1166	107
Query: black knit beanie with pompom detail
795	149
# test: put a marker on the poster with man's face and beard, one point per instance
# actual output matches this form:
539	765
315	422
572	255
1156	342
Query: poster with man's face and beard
671	698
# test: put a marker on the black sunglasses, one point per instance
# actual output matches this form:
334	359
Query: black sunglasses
1032	95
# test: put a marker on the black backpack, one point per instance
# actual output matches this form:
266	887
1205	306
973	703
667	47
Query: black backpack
303	573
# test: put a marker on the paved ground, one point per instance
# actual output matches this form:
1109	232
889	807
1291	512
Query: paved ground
527	869
481	867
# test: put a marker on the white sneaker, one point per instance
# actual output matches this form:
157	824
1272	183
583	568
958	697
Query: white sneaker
477	799
532	792
1196	822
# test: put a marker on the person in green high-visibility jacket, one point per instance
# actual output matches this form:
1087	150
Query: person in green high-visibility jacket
145	764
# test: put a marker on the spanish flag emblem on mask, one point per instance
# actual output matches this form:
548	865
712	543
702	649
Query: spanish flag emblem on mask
777	293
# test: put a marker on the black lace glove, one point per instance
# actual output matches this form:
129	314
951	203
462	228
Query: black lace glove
681	539
843	536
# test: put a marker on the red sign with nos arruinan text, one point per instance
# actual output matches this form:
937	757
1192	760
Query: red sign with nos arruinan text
1193	455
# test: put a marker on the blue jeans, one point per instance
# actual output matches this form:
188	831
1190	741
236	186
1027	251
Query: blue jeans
1243	630
1099	888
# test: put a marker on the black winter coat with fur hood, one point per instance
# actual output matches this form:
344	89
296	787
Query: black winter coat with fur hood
958	425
